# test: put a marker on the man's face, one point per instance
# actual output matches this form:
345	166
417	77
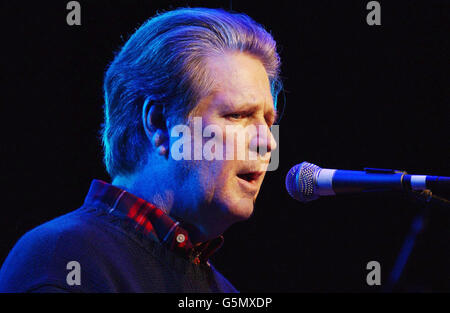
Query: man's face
240	106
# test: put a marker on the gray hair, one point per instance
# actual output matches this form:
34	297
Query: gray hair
164	61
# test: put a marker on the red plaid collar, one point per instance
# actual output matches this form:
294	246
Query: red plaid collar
150	221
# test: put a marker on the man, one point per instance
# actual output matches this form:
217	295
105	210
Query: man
155	226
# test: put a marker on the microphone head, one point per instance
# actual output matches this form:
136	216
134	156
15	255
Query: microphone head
301	181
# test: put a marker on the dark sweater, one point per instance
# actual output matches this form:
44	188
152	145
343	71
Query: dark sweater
113	257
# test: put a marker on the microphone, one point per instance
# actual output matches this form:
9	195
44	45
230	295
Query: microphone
306	181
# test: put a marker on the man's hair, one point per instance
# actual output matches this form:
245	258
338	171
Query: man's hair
163	62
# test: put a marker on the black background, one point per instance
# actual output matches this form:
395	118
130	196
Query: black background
356	96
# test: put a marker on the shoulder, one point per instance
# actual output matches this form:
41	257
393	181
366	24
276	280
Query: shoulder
222	283
45	255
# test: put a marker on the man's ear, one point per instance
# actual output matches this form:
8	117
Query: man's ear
155	127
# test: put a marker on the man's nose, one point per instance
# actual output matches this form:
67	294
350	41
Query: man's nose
263	141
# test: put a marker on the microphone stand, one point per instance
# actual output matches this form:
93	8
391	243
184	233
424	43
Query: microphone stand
426	199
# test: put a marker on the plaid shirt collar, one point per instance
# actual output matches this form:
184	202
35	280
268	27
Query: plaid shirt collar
150	221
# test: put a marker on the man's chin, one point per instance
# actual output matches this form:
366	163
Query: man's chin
241	210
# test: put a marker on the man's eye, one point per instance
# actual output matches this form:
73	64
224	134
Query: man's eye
235	115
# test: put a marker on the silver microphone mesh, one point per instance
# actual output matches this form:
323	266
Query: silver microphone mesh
301	181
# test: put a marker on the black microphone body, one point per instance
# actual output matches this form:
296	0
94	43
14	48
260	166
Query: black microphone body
306	181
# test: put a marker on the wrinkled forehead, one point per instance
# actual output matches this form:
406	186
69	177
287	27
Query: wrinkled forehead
238	80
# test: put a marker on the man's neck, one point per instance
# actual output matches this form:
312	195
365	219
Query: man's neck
162	196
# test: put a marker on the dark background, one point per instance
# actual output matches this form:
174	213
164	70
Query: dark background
356	96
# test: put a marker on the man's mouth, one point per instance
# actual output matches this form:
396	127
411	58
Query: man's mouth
250	181
250	177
